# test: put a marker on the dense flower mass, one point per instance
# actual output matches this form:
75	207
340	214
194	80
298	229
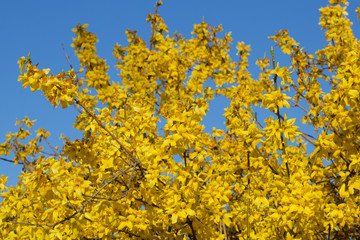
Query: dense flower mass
130	177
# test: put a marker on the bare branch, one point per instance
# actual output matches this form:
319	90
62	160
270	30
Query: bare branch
189	222
92	197
307	137
50	154
67	57
52	148
26	223
224	230
8	160
76	107
153	27
296	104
112	179
133	158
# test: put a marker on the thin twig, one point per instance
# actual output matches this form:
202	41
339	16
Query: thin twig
133	158
94	196
25	223
153	27
8	160
17	136
146	203
103	198
76	107
71	66
67	57
91	198
25	162
220	227
189	222
52	148
306	136
297	105
47	153
126	192
248	200
278	113
224	230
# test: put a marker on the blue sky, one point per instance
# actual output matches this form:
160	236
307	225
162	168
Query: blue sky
42	26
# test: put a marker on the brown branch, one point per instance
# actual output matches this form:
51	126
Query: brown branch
224	230
76	107
52	148
278	113
153	26
248	197
319	235
193	233
104	198
71	66
17	136
67	57
131	177
25	223
126	192
220	227
47	153
92	197
259	123
83	205
8	160
307	137
124	159
267	162
297	90
133	158
144	202
297	105
129	233
25	162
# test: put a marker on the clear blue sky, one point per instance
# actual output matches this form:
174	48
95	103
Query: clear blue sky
42	26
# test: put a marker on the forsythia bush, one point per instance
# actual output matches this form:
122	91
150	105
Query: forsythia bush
146	169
